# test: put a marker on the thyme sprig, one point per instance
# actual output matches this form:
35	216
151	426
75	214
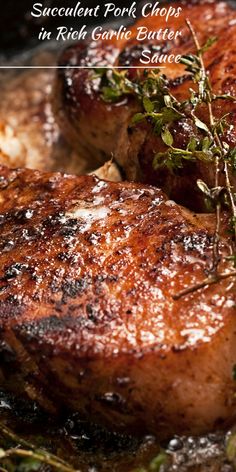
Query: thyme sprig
161	109
205	95
222	154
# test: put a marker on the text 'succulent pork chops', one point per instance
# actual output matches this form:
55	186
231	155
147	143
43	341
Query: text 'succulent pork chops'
88	270
100	130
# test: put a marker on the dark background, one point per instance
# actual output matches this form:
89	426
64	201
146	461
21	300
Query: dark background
18	29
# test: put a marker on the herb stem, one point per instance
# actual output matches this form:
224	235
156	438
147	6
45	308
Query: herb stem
203	80
205	283
44	458
160	109
10	435
231	198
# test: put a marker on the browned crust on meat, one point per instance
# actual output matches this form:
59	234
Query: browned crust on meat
87	273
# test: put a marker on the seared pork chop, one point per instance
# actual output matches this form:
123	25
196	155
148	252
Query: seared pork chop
88	274
29	134
99	129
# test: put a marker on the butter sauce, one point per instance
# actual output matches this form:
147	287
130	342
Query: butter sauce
93	449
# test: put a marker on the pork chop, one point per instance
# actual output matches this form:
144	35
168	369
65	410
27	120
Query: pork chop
100	129
89	271
29	134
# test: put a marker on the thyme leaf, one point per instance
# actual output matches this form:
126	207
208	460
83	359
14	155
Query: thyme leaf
160	109
222	154
160	462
